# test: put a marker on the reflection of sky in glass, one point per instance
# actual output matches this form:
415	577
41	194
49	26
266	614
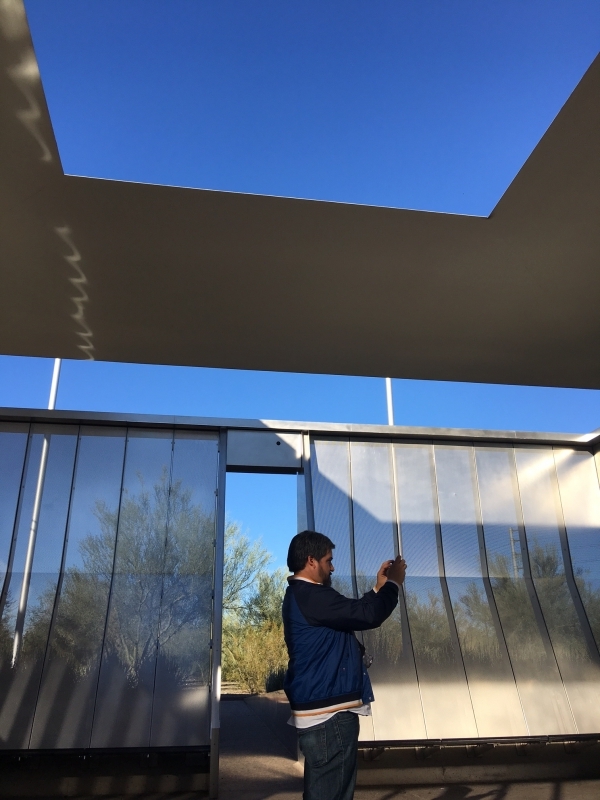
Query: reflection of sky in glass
497	491
416	502
456	497
12	455
373	507
53	515
539	500
147	463
580	498
331	492
97	481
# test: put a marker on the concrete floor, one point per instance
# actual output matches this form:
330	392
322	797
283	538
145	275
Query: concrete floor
255	765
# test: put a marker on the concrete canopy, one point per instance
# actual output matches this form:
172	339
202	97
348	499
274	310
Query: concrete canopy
141	273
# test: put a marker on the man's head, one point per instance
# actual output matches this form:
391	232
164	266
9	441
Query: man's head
310	554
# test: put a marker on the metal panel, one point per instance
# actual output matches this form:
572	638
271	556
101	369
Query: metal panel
558	596
444	692
19	684
397	712
124	702
491	682
180	714
264	449
63	717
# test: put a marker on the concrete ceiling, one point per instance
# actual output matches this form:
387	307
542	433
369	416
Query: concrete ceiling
139	273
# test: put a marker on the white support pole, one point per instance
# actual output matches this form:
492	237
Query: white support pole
35	518
54	384
390	401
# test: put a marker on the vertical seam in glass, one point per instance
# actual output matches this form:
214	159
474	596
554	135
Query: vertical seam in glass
487	582
351	521
217	614
162	585
444	584
569	572
532	590
402	592
112	581
16	521
59	582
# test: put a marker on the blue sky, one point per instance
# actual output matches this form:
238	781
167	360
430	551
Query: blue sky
424	105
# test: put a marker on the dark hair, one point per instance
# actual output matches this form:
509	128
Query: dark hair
305	544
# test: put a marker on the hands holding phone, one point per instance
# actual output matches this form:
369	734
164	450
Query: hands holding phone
394	570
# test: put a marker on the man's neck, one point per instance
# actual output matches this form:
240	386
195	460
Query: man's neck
304	577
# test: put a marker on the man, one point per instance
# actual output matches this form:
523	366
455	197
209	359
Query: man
327	682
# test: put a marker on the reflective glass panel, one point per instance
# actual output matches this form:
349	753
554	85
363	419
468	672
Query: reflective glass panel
540	688
13	444
180	714
397	712
555	588
444	693
19	685
124	702
491	682
66	701
580	499
330	470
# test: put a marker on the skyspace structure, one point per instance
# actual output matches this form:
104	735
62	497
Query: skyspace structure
112	526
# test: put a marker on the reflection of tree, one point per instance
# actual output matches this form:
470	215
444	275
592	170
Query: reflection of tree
161	587
179	605
430	630
6	634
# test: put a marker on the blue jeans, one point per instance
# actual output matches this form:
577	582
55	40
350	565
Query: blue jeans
330	751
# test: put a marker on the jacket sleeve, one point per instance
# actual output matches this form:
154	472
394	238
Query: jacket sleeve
331	609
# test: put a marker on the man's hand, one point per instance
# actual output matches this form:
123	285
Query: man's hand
396	570
382	575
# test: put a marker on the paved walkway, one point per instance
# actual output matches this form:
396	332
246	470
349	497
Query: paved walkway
255	765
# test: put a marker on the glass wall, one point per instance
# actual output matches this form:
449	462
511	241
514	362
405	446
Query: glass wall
568	628
497	628
116	604
375	541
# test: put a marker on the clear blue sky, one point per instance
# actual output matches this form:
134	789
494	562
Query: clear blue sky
423	104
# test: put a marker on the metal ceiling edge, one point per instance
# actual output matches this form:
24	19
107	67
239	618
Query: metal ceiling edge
583	441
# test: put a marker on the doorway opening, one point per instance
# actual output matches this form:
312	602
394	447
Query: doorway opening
261	518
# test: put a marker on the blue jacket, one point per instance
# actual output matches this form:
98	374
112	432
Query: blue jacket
326	671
